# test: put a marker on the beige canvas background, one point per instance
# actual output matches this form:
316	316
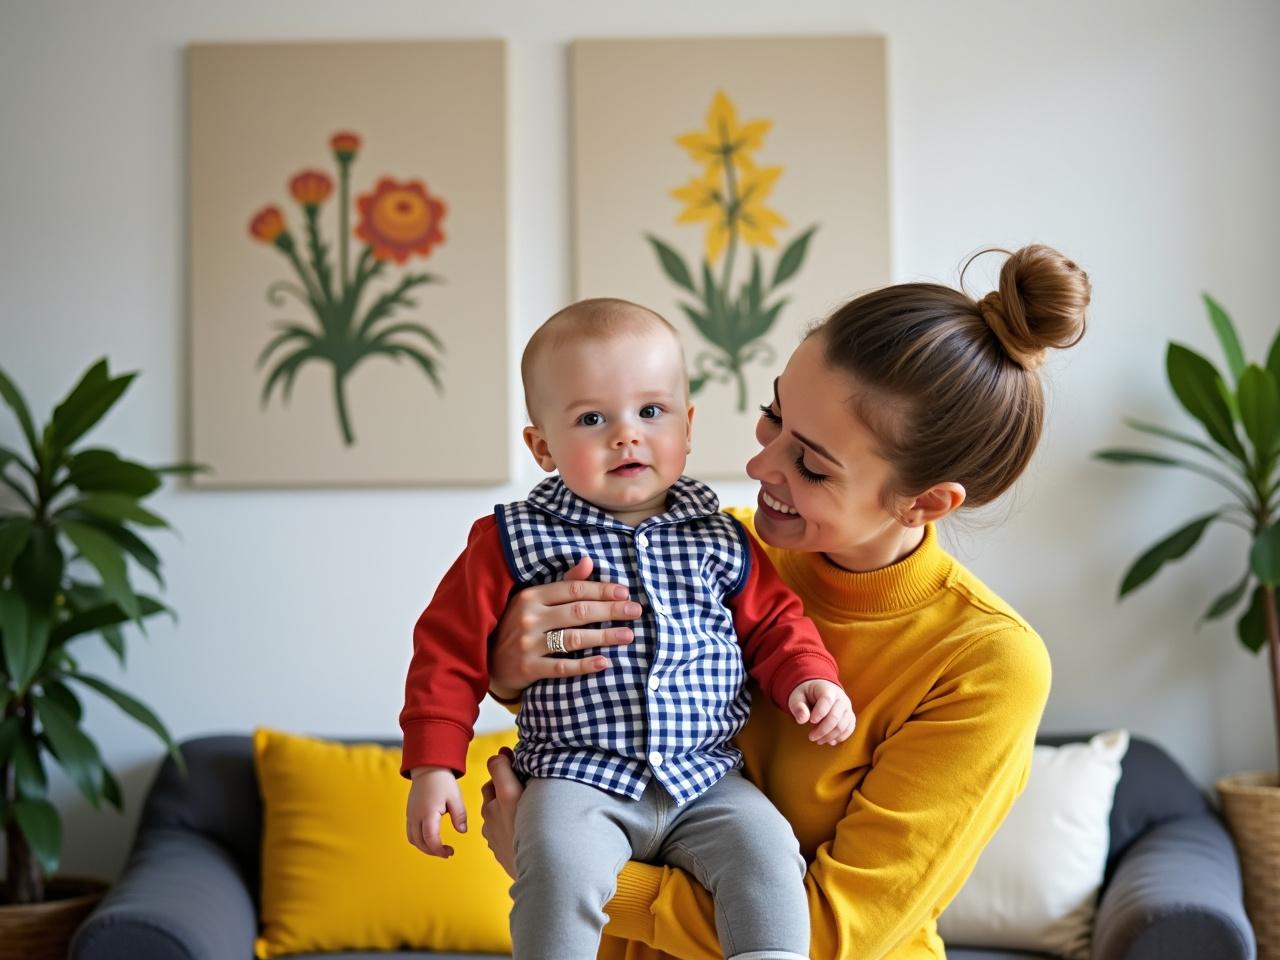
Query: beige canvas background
826	98
258	114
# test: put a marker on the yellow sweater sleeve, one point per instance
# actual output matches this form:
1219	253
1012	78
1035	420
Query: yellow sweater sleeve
938	788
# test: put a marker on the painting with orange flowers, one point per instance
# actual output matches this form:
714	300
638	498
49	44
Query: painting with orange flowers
347	261
740	188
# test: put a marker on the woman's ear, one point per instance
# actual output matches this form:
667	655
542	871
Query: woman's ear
930	506
537	444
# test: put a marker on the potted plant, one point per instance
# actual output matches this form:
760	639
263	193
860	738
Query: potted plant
1241	418
67	524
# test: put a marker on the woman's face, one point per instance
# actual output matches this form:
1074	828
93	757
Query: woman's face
821	478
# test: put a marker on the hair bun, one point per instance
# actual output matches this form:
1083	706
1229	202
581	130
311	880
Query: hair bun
1040	304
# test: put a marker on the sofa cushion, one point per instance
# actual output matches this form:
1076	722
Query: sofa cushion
338	873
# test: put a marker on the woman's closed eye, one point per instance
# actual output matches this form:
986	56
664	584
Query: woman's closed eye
808	474
766	411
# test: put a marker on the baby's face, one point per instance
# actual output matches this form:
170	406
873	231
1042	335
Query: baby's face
613	417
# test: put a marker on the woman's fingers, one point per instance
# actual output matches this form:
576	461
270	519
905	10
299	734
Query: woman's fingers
507	787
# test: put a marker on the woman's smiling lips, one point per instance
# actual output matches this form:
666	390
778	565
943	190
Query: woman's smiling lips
776	509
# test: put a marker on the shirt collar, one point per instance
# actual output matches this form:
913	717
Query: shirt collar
686	499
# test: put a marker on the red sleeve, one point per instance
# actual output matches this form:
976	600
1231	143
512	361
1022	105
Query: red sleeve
449	672
782	646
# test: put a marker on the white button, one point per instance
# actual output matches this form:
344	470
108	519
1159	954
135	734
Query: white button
654	682
642	540
659	606
655	759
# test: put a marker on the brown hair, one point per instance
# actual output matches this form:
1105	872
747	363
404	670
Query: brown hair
948	384
599	318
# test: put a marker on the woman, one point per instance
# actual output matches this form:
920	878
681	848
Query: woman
903	405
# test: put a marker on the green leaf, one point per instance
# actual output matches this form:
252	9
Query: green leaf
792	258
75	752
14	535
1199	388
135	709
114	506
38	820
26	635
1136	456
107	558
1228	600
103	471
1159	431
1170	548
111	789
1252	627
60	694
132	544
9	392
10	728
37	571
1264	557
1273	359
673	264
107	615
183	468
1226	332
1260	409
28	771
86	404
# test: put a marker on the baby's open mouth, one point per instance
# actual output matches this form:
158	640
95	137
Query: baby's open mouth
628	469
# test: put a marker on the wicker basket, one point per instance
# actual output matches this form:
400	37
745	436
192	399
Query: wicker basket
42	931
1251	805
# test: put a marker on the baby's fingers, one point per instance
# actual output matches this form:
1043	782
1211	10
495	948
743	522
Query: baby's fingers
457	813
832	718
822	708
431	836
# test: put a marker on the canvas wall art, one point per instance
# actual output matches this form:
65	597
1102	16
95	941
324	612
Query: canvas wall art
740	188
348	263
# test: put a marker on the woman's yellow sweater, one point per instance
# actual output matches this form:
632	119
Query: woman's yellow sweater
949	684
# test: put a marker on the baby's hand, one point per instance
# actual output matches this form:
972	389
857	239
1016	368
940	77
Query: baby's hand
825	704
434	790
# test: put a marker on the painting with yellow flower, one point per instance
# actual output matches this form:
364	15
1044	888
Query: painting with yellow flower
737	186
347	262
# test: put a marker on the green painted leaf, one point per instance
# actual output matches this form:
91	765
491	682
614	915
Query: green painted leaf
74	752
1170	548
103	471
1228	600
792	258
14	535
107	558
38	820
136	709
673	264
1264	557
9	393
114	506
1260	409
699	321
1198	387
1252	627
86	404
1226	332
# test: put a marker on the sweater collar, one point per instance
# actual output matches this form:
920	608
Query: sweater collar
686	499
909	582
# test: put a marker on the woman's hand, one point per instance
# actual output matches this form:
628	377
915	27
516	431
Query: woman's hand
519	655
501	795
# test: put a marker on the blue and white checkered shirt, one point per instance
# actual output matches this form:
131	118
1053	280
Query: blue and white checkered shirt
673	699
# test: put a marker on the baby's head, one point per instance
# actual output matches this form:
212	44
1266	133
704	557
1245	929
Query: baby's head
608	401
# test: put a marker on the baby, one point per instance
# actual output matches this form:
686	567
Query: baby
635	762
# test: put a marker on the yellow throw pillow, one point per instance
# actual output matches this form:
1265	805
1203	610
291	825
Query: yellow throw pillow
338	872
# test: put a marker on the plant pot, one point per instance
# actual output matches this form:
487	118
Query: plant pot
42	931
1251	806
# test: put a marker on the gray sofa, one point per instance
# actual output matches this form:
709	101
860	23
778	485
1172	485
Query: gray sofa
190	888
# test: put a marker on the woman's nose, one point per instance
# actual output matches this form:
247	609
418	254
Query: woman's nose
761	466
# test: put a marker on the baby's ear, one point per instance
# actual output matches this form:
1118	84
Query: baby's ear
537	444
688	431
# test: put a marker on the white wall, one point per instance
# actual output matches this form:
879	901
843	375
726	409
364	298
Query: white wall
1142	138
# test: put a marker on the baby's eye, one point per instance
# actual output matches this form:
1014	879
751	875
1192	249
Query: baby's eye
591	419
649	411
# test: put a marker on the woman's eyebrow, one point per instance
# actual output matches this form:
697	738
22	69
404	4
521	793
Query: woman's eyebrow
817	448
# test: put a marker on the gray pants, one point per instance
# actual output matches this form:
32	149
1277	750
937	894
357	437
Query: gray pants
572	840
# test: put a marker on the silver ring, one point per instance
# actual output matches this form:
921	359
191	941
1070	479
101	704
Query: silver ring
555	641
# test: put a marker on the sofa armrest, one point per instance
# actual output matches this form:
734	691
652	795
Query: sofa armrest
1175	894
180	897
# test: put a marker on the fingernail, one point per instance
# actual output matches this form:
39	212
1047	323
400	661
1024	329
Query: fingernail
619	592
600	663
632	609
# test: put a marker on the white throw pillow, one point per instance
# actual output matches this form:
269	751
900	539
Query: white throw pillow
1035	886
